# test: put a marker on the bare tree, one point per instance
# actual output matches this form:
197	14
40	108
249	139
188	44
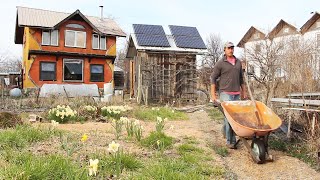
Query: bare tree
215	51
265	60
288	60
10	63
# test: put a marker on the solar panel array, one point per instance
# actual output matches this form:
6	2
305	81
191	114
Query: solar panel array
187	37
154	36
150	35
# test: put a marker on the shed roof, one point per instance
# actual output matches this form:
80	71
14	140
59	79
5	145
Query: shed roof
40	18
133	46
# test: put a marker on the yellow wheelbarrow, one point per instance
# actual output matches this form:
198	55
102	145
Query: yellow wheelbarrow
242	116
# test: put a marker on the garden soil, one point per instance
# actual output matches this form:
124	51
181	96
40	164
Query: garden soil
207	132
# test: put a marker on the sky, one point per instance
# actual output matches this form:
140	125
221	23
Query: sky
228	19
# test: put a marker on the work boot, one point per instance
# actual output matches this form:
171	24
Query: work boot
231	146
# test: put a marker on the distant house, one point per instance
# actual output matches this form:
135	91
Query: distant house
163	67
66	48
285	32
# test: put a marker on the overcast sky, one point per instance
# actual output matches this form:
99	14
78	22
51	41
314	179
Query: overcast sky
229	19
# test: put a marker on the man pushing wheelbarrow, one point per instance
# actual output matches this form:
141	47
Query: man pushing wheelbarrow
231	85
246	119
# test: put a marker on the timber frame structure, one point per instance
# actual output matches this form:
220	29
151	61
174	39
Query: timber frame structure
164	77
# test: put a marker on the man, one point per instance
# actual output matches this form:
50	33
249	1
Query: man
231	85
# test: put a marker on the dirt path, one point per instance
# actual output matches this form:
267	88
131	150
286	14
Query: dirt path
241	165
206	131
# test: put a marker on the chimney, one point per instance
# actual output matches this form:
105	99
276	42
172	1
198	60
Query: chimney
101	11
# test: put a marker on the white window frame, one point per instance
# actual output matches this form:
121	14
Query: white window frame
75	39
98	41
286	30
70	60
50	38
101	40
256	36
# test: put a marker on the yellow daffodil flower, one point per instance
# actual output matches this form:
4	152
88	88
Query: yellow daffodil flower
84	138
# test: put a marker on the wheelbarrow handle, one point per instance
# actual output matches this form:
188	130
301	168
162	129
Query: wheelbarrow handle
218	105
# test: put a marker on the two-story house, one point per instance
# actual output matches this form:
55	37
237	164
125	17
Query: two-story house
64	48
277	41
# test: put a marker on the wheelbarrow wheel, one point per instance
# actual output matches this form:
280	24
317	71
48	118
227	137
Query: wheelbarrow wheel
259	151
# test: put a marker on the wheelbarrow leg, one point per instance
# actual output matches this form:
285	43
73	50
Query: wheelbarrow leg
253	155
269	157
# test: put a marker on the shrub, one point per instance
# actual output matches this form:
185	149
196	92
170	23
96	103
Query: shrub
8	120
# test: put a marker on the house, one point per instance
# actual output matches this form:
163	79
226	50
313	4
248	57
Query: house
279	39
66	48
163	67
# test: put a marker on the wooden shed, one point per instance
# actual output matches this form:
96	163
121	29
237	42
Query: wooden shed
163	67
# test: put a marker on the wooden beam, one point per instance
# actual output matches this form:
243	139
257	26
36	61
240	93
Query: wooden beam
297	101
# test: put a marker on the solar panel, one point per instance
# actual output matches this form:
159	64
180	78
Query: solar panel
187	37
183	31
152	40
150	35
148	29
194	42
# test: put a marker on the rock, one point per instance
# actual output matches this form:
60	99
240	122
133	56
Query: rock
15	92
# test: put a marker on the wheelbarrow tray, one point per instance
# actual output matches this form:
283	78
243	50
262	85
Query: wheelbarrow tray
244	121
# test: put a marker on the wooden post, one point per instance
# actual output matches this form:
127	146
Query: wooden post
139	81
313	124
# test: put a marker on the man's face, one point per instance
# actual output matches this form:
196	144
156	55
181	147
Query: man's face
229	51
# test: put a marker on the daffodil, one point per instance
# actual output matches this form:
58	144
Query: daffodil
54	123
84	138
113	147
93	167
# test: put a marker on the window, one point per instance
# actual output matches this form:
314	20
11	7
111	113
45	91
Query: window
258	48
50	37
286	30
73	70
78	26
96	73
103	42
99	42
75	39
95	41
47	71
317	24
256	36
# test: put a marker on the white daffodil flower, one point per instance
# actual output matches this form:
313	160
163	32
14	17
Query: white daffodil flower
93	167
113	147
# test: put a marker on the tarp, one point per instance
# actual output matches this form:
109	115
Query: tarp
69	90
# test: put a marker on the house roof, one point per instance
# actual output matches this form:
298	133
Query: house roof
310	22
47	19
133	46
248	35
278	28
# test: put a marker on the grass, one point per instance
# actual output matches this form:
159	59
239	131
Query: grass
151	141
149	114
187	148
178	168
23	135
215	114
221	150
24	165
295	149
